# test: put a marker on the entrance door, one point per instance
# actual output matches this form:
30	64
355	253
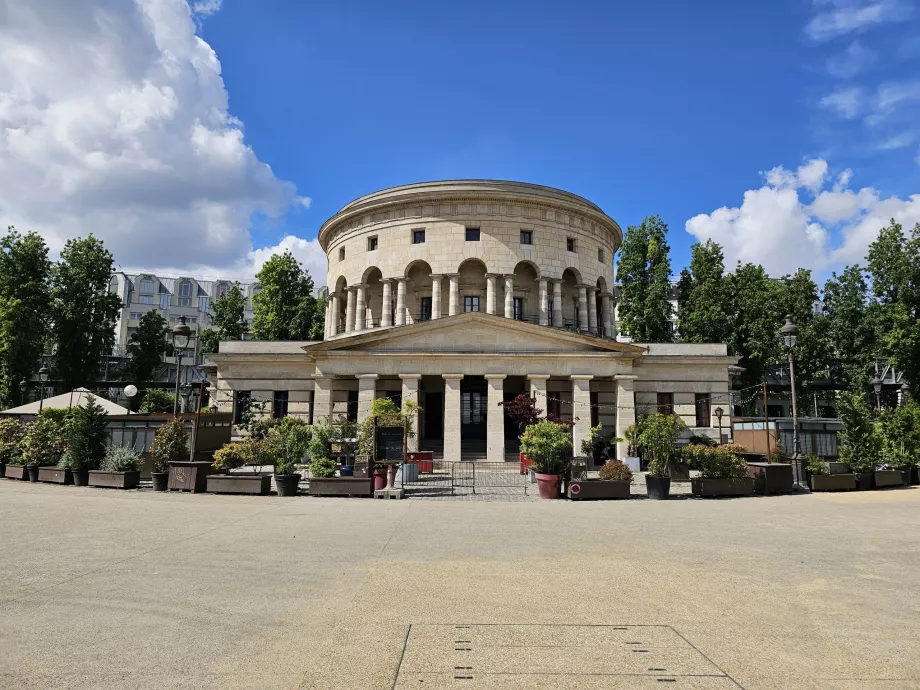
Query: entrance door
434	416
473	403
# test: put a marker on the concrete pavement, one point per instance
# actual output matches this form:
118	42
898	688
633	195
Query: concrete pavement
104	589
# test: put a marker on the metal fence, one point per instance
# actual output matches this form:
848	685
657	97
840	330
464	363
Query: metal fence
442	478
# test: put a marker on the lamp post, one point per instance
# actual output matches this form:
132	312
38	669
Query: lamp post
185	391
23	389
790	335
43	377
180	337
719	412
905	390
130	392
876	384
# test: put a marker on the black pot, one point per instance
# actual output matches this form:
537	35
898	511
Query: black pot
33	472
160	480
865	481
2	470
915	475
286	484
658	488
80	477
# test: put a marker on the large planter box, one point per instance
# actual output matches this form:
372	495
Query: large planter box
833	482
679	471
708	486
114	480
834	467
771	477
885	478
188	476
585	489
341	486
865	481
255	485
17	472
55	475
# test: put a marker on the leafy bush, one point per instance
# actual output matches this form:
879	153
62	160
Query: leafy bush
656	439
615	470
899	431
261	427
779	456
859	442
170	444
322	467
721	462
157	400
522	411
544	444
86	435
318	448
231	456
590	442
58	414
290	440
703	440
736	448
44	443
814	464
121	459
12	434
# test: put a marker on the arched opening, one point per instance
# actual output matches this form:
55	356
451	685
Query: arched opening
418	292
526	299
571	279
472	286
339	300
373	297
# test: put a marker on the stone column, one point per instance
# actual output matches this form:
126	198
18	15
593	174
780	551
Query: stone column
490	292
367	391
509	297
544	303
495	419
361	308
322	399
452	417
582	308
592	310
538	389
557	304
435	297
350	311
612	311
626	409
336	310
454	299
607	313
386	311
410	394
581	410
400	301
327	321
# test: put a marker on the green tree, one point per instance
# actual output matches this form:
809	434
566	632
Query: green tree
799	295
83	311
146	347
85	436
25	307
209	340
644	272
848	328
285	308
859	440
755	313
894	270
702	316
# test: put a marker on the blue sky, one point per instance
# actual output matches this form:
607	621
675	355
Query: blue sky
786	130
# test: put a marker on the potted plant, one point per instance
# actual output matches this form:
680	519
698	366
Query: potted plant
12	433
821	479
85	435
523	412
632	459
656	440
120	469
232	456
170	444
858	441
722	472
323	481
43	446
289	442
614	480
899	431
545	444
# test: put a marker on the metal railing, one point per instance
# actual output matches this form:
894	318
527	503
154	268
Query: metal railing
450	478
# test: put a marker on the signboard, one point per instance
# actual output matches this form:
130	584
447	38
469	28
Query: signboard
389	444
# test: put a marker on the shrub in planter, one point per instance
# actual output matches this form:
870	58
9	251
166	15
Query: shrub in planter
859	443
545	443
291	440
12	433
723	472
231	456
85	435
156	401
170	444
614	480
822	480
615	471
656	439
322	468
899	432
120	469
43	445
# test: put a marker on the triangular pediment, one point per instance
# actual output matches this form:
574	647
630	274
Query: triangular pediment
474	332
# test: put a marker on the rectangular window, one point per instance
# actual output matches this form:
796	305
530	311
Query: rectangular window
185	301
240	406
470	303
774	411
136	315
595	409
185	289
570	244
146	286
472	234
204	303
164	300
341	253
703	415
280	405
526	237
418	237
600	254
145	299
518	308
424	305
351	412
553	406
665	403
372	243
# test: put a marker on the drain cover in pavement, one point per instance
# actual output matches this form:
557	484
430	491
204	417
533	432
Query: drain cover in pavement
587	657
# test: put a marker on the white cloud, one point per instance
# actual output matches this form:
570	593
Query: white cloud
206	7
899	141
842	17
114	120
846	102
891	98
852	61
776	227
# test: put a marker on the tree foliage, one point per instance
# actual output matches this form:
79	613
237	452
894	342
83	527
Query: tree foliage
755	316
848	328
170	444
157	400
85	435
859	441
146	348
229	320
702	313
83	311
644	271
285	308
44	442
25	308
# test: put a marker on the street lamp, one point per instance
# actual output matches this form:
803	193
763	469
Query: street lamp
23	389
719	413
905	390
185	391
790	335
43	377
130	392
180	337
876	384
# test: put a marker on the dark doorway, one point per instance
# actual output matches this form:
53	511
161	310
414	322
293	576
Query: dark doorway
351	413
474	396
511	429
434	416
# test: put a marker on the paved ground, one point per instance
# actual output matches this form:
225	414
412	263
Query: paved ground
101	589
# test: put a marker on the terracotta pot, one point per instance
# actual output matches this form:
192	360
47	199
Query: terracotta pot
548	484
380	479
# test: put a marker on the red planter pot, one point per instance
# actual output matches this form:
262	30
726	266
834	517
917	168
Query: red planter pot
548	484
380	479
